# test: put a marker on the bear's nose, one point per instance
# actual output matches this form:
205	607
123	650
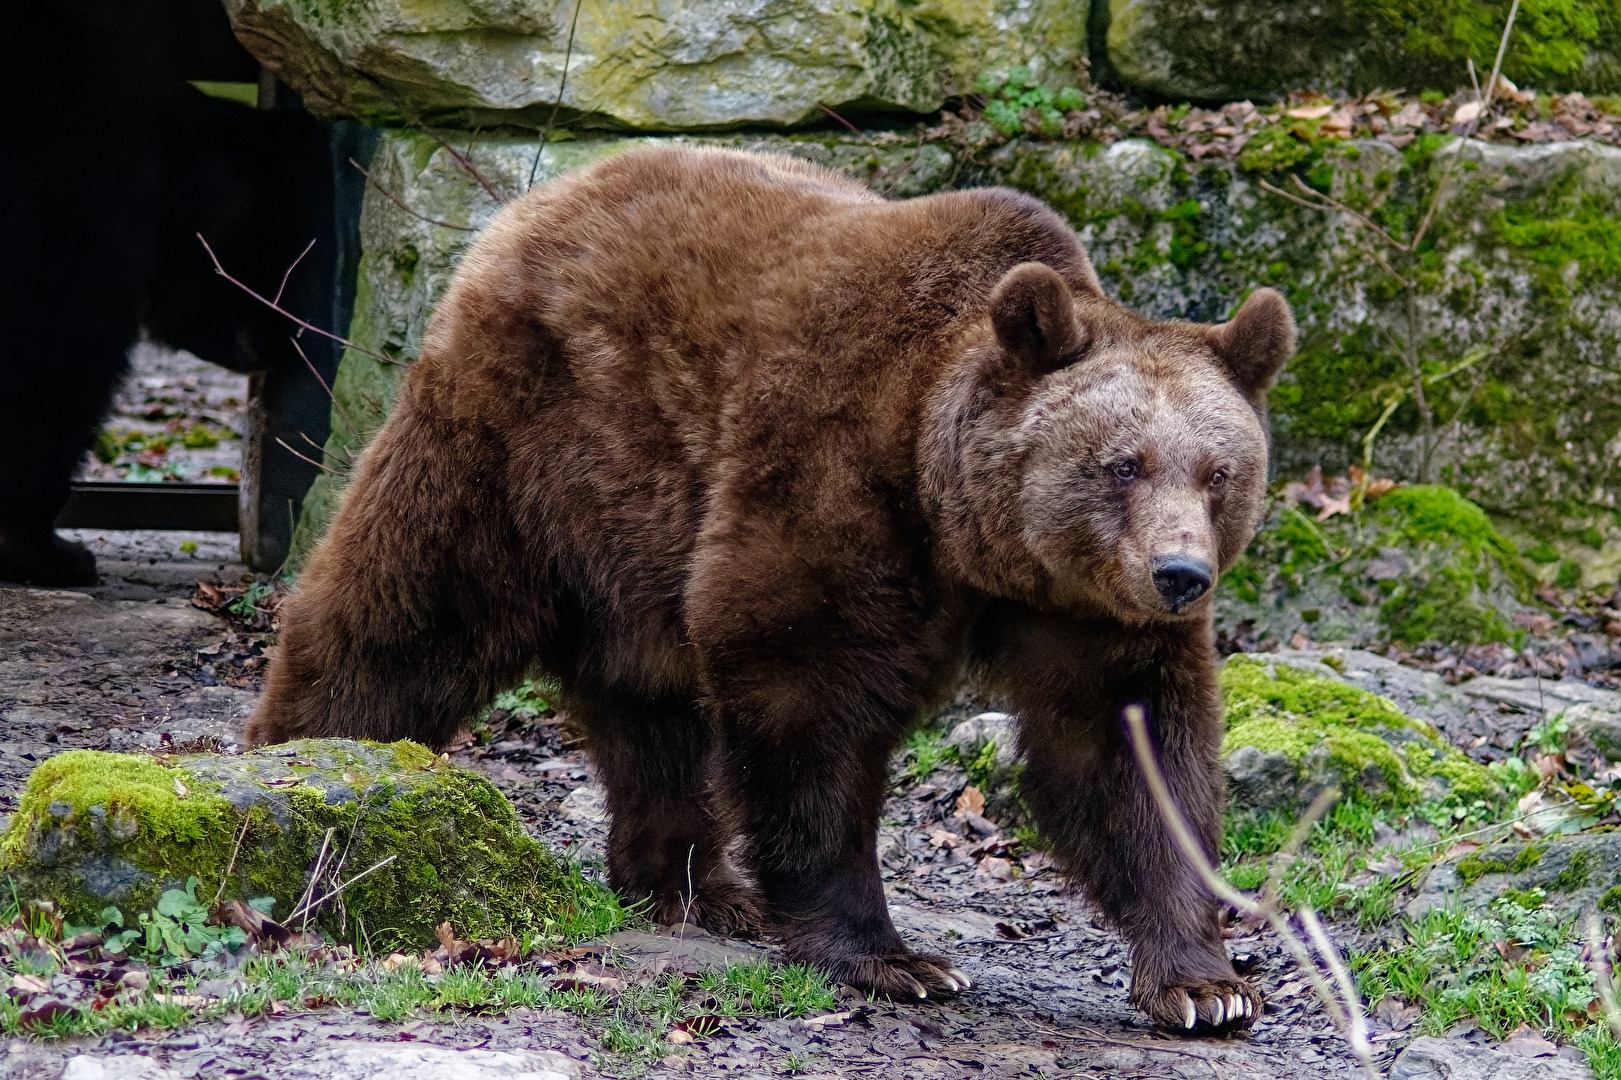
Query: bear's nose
1181	579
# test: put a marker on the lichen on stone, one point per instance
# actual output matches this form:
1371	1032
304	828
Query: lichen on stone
1331	733
435	843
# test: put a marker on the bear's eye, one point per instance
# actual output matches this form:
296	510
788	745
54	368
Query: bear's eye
1125	470
1218	479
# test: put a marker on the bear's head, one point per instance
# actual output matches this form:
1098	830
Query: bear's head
1099	462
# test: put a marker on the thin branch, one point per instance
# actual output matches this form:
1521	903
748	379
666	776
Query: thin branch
306	457
1435	203
278	309
1497	65
1342	208
399	202
231	864
324	386
839	118
1340	1010
346	884
323	450
557	103
315	875
291	267
462	160
1342	978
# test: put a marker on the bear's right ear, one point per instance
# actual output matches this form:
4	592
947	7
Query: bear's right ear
1034	316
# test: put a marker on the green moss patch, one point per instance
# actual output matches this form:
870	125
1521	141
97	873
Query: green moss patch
434	843
1421	563
1333	733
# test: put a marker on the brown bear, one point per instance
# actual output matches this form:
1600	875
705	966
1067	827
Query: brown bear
755	464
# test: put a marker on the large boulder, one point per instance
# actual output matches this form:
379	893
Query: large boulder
652	66
1196	50
94	829
1296	727
1521	282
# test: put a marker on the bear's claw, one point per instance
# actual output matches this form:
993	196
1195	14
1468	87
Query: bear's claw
1205	1009
917	976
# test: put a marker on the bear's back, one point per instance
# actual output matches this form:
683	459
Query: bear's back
686	273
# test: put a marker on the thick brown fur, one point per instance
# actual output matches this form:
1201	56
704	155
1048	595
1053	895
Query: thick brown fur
754	463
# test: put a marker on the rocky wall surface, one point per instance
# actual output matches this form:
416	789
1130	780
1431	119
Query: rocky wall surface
1512	307
651	65
1194	49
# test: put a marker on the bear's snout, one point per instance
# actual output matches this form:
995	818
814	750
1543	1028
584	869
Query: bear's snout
1182	579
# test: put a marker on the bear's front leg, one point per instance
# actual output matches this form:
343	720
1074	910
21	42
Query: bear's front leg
1070	682
813	678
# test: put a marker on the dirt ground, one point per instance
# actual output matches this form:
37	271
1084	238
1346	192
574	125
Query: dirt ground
132	664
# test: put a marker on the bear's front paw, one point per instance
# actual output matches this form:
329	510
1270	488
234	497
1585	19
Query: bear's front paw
1206	1007
902	975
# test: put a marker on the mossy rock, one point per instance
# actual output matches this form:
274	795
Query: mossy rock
1293	732
1578	871
1421	563
699	65
94	829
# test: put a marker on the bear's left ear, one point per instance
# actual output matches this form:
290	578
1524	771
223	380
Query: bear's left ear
1256	343
1033	312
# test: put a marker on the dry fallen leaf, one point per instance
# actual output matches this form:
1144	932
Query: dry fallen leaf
944	838
999	869
180	788
1310	112
677	1035
29	984
395	961
972	801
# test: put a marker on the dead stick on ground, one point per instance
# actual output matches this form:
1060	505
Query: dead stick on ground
840	119
1346	1011
278	309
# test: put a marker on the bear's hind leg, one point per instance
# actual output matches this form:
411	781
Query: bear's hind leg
665	842
421	604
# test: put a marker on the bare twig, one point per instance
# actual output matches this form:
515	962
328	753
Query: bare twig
1342	979
278	309
839	118
370	869
231	863
1497	65
1285	857
557	103
468	167
323	450
1344	1011
399	202
290	268
315	877
325	386
305	457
